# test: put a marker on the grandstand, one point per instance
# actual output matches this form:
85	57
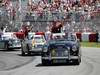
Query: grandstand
76	16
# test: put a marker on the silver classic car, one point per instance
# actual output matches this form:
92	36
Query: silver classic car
33	45
8	42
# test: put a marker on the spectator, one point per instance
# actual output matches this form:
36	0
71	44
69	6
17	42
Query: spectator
25	29
48	35
56	28
97	36
1	31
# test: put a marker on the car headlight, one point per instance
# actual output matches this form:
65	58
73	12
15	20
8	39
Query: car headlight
74	48
10	42
17	41
68	48
66	52
33	44
45	49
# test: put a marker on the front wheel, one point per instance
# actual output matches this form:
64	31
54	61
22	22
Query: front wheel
28	49
77	61
6	47
22	53
45	62
22	49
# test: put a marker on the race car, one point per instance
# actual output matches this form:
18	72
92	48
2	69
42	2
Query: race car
38	42
8	42
62	50
34	44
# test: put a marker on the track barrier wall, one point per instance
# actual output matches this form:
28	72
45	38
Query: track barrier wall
87	36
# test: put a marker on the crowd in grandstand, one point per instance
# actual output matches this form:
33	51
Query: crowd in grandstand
71	12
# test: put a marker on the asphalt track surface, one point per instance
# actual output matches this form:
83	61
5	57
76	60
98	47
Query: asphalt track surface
90	65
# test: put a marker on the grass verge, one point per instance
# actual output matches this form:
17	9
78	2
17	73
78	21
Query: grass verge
90	44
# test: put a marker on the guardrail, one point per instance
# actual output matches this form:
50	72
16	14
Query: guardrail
88	36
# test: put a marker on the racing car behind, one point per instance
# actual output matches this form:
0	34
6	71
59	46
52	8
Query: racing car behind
8	42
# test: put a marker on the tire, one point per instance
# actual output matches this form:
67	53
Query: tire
28	50
80	60
6	47
77	61
46	62
22	52
43	62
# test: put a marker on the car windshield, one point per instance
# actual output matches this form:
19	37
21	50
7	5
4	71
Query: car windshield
5	38
68	37
60	42
39	39
30	36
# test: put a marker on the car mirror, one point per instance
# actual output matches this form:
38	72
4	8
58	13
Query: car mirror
78	40
30	37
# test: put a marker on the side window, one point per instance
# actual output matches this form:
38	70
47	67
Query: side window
73	37
30	37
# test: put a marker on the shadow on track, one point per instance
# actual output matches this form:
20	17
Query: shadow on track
28	55
9	50
56	64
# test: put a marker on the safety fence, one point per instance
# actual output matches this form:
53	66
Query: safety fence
83	37
88	36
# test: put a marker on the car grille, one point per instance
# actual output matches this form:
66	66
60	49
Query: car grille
59	53
39	46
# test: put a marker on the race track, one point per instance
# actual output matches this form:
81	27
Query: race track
90	65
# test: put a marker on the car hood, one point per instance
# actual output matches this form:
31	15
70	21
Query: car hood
67	43
71	42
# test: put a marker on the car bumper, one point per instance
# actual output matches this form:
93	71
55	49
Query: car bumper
36	50
69	58
60	59
15	47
